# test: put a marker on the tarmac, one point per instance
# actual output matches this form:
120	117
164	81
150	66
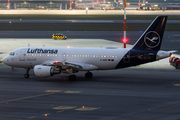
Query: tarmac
83	21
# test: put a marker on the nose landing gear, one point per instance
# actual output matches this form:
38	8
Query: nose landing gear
27	73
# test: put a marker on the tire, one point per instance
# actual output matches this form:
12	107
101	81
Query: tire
26	75
88	75
176	66
72	78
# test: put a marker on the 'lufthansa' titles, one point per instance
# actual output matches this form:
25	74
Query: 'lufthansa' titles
50	51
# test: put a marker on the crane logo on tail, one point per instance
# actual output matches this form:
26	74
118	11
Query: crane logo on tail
152	39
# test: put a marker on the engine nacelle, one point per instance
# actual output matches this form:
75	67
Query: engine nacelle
45	71
163	54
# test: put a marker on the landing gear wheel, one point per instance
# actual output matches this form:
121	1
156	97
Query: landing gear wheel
26	75
88	75
176	66
72	78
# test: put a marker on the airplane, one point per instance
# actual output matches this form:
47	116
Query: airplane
48	61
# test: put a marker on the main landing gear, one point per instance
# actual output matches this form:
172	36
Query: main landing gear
72	78
27	73
87	75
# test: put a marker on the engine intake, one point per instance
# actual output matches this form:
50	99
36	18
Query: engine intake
45	71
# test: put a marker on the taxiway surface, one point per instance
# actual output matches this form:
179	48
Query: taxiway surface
131	93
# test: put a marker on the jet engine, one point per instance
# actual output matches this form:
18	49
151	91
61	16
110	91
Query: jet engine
45	71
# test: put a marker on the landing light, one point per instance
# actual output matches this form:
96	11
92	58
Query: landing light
68	46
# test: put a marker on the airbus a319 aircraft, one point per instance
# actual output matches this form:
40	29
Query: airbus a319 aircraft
48	61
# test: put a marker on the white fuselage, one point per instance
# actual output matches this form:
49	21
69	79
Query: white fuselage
103	58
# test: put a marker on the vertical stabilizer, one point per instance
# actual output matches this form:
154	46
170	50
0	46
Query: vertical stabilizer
151	39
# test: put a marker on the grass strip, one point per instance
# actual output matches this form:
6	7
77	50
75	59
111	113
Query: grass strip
78	27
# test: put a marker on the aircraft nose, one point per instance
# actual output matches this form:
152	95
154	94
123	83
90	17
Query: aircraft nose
5	60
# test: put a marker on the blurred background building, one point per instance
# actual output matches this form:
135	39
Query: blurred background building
90	4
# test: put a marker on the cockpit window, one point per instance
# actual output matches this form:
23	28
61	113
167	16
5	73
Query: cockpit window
12	53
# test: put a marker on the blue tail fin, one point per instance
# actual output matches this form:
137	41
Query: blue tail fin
151	39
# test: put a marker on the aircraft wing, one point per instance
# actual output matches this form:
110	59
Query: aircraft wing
70	65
